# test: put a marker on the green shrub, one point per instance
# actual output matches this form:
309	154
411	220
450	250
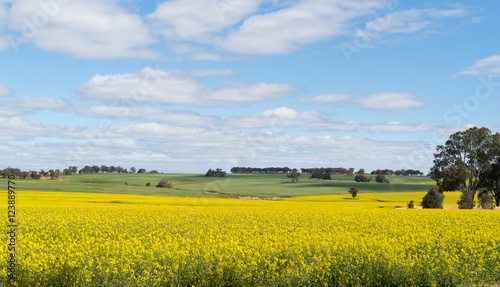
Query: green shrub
353	191
433	199
411	204
362	178
486	200
148	184
164	184
381	178
466	200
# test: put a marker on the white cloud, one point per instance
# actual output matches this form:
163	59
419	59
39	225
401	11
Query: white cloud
26	129
177	118
4	43
41	102
489	66
199	20
5	92
284	117
82	28
247	27
198	146
291	28
396	127
149	85
410	21
10	112
185	22
327	99
177	87
189	149
391	101
243	93
280	117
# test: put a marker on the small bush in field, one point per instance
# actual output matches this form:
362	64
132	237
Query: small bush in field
486	200
466	200
354	192
164	184
148	184
411	204
433	199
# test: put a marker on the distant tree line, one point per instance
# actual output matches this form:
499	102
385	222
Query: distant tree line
238	169
54	174
326	172
215	173
102	169
407	172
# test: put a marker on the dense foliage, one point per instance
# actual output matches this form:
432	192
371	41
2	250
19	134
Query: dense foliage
362	178
215	173
353	191
433	199
164	184
381	179
467	162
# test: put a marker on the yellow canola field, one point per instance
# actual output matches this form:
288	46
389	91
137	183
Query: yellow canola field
77	239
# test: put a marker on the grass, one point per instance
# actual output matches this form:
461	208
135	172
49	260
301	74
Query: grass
197	185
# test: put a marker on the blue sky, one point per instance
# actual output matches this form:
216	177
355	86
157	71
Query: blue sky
184	86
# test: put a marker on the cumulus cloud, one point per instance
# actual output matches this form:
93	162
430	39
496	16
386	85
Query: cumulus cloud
280	117
179	149
81	28
40	102
178	87
4	43
5	92
177	118
4	112
390	101
489	66
284	117
26	129
199	20
411	21
186	24
250	27
290	28
327	99
396	127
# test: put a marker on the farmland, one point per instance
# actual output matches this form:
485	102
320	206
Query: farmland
93	230
197	185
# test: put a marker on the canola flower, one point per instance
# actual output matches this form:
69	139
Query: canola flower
77	239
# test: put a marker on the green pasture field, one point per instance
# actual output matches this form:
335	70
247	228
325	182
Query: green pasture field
197	185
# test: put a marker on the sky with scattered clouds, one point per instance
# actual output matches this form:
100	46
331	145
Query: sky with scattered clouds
188	85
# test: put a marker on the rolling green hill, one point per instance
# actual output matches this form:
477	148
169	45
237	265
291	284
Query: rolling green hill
197	185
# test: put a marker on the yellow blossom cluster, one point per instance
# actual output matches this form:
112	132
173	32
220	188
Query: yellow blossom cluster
77	239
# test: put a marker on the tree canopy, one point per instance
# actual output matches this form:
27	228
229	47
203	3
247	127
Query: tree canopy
465	160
